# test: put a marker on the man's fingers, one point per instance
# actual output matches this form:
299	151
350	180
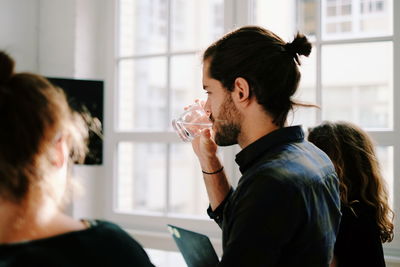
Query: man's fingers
207	133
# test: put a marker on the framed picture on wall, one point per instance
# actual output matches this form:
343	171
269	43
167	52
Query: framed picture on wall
86	96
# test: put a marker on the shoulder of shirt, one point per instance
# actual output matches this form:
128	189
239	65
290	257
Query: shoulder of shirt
98	230
266	176
103	228
287	172
103	225
108	231
115	235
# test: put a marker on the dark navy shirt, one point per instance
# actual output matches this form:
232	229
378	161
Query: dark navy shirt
103	244
285	210
358	241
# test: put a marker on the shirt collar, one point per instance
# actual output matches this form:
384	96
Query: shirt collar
250	154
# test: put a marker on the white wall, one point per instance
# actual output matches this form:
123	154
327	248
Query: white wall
90	39
56	31
72	38
89	56
18	32
60	38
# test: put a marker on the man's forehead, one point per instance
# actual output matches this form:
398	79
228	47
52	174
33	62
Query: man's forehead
206	75
206	65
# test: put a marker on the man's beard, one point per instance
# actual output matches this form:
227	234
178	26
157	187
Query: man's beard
227	124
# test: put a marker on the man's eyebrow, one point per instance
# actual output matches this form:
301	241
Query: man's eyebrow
205	87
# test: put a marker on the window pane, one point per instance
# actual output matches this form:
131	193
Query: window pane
141	181
187	190
331	11
186	84
385	157
307	16
306	92
196	23
357	84
277	16
142	95
346	9
142	26
357	18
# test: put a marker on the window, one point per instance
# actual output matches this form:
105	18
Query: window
350	75
158	71
355	18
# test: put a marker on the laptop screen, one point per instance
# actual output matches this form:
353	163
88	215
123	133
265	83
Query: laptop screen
196	248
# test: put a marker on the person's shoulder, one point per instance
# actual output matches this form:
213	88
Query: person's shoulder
295	155
268	174
359	213
269	178
318	156
278	171
107	235
359	236
112	239
293	170
101	244
308	161
103	224
106	229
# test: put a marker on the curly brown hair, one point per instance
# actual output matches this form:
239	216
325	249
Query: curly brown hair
353	155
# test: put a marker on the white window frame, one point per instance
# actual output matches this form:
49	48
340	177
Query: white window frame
389	137
150	230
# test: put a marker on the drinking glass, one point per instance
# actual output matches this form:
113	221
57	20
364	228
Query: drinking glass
191	122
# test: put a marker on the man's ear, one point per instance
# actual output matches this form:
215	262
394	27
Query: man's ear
59	152
241	92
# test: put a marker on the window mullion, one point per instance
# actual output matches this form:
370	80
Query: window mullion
355	14
318	47
110	117
168	113
242	12
237	13
396	117
396	66
229	15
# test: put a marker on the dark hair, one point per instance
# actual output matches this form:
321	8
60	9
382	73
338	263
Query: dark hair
353	155
266	62
33	113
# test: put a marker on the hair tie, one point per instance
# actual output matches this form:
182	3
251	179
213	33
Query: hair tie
290	49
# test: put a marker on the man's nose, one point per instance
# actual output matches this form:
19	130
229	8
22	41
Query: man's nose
207	108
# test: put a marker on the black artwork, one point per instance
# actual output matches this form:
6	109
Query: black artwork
86	96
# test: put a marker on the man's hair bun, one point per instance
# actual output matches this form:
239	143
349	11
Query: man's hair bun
299	46
6	67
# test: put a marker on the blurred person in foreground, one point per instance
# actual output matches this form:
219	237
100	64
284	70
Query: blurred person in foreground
367	220
285	209
40	137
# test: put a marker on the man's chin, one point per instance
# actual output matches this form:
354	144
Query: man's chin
223	141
